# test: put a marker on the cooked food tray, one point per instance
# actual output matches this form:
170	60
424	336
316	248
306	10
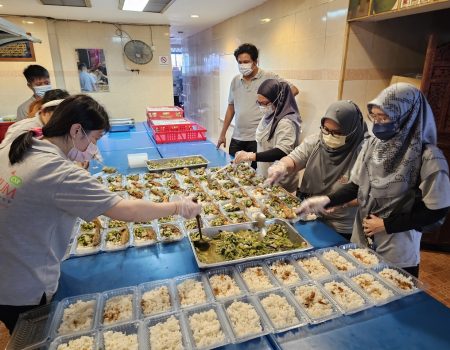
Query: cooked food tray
195	161
215	260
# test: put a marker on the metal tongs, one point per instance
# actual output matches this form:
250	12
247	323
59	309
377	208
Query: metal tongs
260	219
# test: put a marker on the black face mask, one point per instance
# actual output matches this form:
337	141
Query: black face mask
384	131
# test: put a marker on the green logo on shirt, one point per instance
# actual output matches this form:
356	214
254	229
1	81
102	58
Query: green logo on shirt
15	180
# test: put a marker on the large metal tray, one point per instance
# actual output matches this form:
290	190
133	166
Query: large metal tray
294	236
165	163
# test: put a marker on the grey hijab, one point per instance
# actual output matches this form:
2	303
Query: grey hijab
279	93
326	165
391	168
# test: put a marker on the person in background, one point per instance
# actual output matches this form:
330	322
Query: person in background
241	101
43	195
400	178
38	80
278	132
328	158
46	108
87	81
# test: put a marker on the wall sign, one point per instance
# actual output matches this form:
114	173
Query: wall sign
21	50
164	60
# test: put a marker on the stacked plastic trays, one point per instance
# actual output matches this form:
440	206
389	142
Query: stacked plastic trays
232	304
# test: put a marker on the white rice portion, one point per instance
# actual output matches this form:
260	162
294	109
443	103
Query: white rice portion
285	272
166	335
396	278
364	256
156	301
314	267
224	286
312	299
244	318
280	312
256	279
77	317
341	263
344	295
191	292
372	287
82	343
120	341
118	308
206	328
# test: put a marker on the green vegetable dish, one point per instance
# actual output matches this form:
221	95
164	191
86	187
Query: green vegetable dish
246	243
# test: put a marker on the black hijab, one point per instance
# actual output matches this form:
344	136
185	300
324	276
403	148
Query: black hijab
279	93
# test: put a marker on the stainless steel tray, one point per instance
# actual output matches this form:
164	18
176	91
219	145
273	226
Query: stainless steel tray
164	164
293	235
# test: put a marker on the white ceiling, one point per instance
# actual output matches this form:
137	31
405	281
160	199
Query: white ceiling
177	15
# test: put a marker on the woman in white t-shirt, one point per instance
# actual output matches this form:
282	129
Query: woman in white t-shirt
43	193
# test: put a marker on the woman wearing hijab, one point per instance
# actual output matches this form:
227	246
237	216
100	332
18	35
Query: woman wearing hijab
327	158
278	132
401	179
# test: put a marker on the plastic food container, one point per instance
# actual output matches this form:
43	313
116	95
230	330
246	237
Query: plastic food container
377	301
131	328
144	242
351	263
301	321
222	321
230	272
263	270
263	322
285	270
109	246
154	286
316	289
377	257
65	303
160	320
165	239
415	285
346	309
107	296
310	272
195	299
66	339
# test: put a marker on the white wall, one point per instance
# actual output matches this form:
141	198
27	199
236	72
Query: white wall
129	92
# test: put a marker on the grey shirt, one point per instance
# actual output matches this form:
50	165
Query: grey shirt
246	112
402	248
341	219
19	128
22	110
40	200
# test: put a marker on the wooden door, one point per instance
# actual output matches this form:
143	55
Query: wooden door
436	87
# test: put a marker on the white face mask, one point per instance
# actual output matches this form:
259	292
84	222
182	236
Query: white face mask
41	90
334	141
76	155
245	68
266	110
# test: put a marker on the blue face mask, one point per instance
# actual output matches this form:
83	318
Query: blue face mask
384	131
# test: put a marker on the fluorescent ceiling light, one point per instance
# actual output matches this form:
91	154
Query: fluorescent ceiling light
134	5
265	20
195	16
28	22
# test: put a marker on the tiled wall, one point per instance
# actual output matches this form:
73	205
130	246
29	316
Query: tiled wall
129	92
303	43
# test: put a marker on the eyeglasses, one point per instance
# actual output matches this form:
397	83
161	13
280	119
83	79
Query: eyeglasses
379	118
327	131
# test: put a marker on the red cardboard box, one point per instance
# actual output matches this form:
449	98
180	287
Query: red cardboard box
165	112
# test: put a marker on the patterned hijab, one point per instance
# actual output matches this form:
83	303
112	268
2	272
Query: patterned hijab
279	93
326	165
394	165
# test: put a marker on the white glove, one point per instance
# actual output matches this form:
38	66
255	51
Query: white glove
313	205
276	172
187	208
243	156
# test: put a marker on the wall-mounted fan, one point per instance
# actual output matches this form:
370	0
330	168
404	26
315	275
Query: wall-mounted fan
138	52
